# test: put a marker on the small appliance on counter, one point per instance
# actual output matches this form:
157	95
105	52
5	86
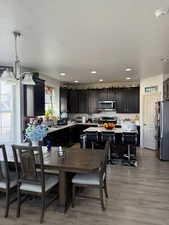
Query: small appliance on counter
62	121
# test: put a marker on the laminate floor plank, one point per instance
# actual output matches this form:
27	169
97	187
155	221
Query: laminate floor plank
137	196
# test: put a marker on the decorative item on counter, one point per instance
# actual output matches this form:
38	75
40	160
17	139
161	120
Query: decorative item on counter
109	126
35	132
49	145
48	114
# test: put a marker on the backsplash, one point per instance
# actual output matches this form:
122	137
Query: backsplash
120	116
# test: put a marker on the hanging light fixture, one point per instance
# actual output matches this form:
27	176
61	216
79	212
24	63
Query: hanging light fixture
13	77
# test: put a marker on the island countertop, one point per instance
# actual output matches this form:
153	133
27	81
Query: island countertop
103	129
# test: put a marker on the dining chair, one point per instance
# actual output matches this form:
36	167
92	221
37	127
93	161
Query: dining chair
111	137
31	178
95	180
8	179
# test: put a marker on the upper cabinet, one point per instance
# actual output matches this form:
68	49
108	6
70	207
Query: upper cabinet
63	99
127	100
86	101
166	89
34	98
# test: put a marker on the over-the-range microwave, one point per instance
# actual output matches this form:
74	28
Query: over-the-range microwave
106	105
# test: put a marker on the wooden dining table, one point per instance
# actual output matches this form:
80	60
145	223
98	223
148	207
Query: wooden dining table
75	161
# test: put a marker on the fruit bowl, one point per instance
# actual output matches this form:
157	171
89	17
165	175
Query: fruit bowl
109	126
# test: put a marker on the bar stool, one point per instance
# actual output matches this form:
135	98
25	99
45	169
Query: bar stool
92	137
108	136
129	139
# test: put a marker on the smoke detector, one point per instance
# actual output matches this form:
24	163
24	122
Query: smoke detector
161	12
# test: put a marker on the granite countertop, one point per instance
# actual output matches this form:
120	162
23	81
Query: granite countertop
99	129
103	129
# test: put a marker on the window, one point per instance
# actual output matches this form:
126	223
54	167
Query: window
5	112
49	98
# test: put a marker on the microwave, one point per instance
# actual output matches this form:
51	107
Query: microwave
106	105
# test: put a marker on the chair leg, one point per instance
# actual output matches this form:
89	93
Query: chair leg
7	203
73	195
105	187
43	208
101	198
18	202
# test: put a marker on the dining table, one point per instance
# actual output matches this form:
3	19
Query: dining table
75	160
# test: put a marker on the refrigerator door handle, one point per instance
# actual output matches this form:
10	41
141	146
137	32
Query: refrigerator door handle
161	135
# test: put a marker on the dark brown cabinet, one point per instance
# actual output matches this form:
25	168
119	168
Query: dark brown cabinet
166	89
34	98
86	101
63	99
127	100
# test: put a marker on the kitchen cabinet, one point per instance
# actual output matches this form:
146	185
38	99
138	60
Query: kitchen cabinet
63	99
92	100
73	101
166	89
83	101
39	97
34	98
127	100
86	101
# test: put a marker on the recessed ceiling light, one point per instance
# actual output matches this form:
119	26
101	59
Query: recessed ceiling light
93	72
100	80
164	59
161	12
76	81
128	69
128	78
62	74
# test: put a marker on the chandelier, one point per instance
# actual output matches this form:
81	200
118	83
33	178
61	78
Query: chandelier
12	77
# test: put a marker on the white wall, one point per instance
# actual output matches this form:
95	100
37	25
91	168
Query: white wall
147	82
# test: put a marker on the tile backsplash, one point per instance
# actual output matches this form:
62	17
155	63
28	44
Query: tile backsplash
120	116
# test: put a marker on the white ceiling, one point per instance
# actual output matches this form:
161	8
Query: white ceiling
78	36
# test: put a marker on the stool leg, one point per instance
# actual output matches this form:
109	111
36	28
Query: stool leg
92	145
129	154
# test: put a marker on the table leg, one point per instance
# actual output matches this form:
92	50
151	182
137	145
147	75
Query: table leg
62	192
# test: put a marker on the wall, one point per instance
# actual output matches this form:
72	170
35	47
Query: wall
147	82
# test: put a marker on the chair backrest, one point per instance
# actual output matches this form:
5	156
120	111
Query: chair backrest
129	138
29	164
92	136
4	169
103	166
108	136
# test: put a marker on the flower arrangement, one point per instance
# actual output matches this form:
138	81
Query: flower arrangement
35	132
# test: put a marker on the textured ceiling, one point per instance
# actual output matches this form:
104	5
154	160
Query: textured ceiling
78	36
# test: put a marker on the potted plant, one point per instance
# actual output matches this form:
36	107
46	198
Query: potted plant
35	132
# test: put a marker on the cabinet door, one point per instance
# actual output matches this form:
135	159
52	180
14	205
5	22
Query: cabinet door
121	98
92	100
128	100
83	101
73	101
63	100
39	97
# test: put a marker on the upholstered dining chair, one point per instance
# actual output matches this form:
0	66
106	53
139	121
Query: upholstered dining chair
94	180
8	179
31	178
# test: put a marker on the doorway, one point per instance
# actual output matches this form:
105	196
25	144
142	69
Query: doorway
149	101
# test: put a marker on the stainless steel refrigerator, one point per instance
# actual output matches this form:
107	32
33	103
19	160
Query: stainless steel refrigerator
162	129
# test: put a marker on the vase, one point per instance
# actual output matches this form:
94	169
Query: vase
35	143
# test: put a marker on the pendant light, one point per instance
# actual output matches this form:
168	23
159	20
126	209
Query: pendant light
13	77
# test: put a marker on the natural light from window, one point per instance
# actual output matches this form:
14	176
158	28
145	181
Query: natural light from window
5	112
